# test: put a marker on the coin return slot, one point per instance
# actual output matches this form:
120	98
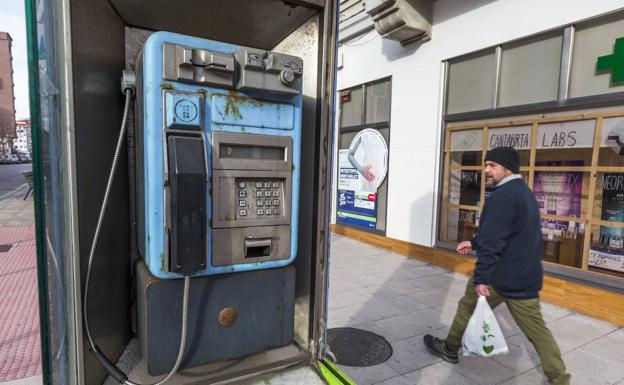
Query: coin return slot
256	248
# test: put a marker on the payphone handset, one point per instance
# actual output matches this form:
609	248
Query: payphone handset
218	155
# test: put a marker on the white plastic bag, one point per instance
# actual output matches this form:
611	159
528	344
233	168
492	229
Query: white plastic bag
483	337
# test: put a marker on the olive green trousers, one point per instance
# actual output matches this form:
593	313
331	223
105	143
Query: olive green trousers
528	315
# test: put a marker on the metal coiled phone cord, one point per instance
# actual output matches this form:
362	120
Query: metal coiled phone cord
112	369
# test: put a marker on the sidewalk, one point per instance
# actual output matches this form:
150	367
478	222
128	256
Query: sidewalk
370	288
20	349
403	299
15	211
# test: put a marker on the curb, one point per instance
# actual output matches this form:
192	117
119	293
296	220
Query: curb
12	195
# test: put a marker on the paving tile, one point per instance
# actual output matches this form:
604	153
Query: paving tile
369	375
370	279
384	332
576	330
417	340
518	359
36	380
483	371
521	341
438	373
570	332
594	368
400	287
428	271
407	357
405	325
369	311
340	299
432	298
341	285
531	377
412	262
438	281
438	317
552	313
609	347
506	321
399	380
406	304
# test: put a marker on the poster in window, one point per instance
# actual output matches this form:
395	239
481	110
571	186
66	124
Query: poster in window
558	193
609	252
362	169
470	187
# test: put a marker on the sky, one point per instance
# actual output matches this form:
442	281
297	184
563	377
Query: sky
13	21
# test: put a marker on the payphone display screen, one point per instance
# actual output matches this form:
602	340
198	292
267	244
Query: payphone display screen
233	151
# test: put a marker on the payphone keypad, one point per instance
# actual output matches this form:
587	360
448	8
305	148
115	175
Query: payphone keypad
260	199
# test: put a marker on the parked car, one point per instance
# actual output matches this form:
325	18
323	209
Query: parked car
24	157
8	159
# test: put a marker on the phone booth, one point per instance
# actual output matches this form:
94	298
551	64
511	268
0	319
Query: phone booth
182	227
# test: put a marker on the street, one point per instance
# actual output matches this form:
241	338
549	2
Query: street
11	176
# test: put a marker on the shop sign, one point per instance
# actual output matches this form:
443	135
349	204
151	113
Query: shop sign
345	96
565	135
516	137
613	63
606	260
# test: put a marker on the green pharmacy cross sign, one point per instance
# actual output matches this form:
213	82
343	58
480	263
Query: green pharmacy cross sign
613	62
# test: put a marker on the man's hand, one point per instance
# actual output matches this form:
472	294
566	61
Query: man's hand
464	248
369	174
482	290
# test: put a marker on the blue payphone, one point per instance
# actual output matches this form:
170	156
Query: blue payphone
218	144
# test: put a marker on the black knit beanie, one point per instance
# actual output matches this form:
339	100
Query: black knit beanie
506	157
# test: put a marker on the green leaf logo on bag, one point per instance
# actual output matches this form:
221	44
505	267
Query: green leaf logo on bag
487	349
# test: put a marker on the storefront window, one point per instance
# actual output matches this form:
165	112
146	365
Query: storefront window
362	186
579	187
351	104
378	102
611	151
466	146
530	71
606	255
591	41
471	83
527	74
607	241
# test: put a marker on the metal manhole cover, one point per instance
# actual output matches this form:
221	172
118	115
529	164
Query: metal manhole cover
357	347
5	248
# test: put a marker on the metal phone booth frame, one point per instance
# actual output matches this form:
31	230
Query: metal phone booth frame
77	51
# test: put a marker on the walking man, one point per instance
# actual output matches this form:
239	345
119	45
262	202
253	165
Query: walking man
509	269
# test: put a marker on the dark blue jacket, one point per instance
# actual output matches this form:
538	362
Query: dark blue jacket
509	244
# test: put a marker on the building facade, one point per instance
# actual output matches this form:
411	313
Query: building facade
23	141
7	96
546	78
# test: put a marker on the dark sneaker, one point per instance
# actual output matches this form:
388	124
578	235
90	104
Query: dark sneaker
437	347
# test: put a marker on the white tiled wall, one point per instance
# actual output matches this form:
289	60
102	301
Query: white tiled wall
459	26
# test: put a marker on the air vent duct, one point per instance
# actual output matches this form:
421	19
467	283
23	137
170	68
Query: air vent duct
405	21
